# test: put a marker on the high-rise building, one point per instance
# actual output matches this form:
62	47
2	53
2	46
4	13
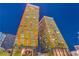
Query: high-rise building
51	39
27	34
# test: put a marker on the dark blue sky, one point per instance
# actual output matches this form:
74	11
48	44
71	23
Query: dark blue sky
65	15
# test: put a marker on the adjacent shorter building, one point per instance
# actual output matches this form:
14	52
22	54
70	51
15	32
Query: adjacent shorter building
2	37
76	52
51	39
6	40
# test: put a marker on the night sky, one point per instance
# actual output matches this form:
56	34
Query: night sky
65	15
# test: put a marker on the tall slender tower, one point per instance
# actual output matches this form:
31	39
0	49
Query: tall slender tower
27	34
51	39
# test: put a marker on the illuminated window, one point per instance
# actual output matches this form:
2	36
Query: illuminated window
32	43
49	31
22	35
52	35
58	32
27	17
31	24
53	39
27	30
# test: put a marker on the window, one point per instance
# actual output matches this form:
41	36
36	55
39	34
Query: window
31	24
34	17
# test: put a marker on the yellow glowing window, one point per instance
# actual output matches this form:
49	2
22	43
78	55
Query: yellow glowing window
32	43
36	34
29	42
34	17
31	23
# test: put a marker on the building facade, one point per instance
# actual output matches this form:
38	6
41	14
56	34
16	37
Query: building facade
76	51
51	39
8	42
27	34
2	38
